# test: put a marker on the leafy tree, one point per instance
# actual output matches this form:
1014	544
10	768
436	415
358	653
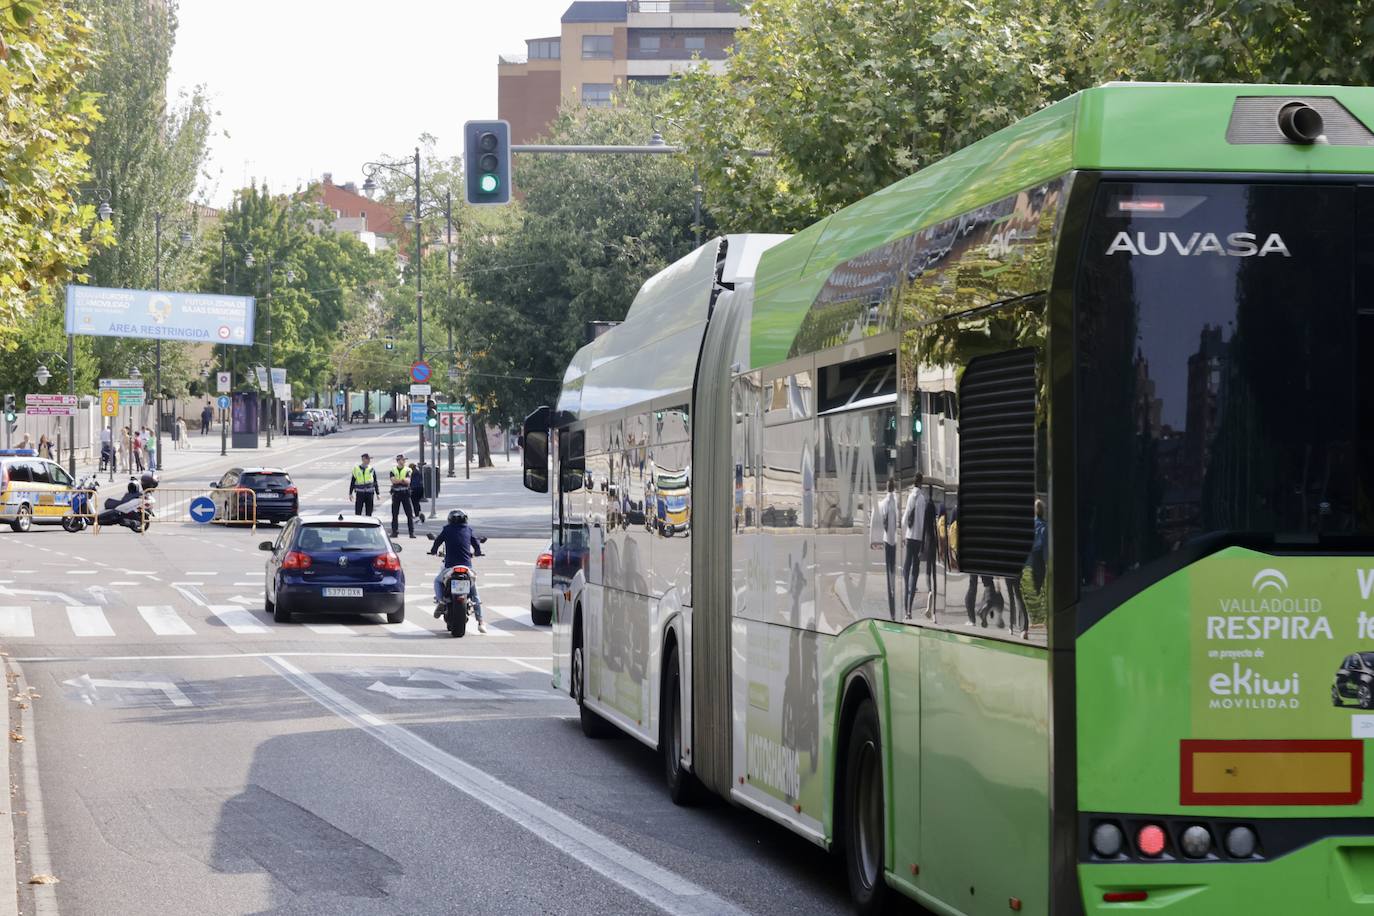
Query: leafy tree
47	234
1253	41
852	95
590	231
149	155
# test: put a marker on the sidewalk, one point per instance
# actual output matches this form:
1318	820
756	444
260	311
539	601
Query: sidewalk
205	452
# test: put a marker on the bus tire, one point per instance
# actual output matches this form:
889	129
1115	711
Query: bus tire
863	827
593	726
682	785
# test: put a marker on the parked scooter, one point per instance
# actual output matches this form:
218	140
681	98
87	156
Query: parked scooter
82	517
134	510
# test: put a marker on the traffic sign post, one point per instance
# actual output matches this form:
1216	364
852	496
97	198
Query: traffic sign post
223	402
420	372
223	382
418	413
50	405
202	510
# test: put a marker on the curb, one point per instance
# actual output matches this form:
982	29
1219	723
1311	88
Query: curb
9	880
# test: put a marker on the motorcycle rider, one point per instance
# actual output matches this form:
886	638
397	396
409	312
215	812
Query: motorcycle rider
400	497
362	486
460	545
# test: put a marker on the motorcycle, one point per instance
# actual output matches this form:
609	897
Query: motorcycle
81	517
134	510
456	606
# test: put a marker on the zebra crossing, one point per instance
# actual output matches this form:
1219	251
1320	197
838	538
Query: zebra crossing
83	621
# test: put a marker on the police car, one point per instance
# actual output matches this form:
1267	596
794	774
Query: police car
32	489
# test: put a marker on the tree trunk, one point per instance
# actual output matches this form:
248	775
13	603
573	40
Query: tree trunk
479	433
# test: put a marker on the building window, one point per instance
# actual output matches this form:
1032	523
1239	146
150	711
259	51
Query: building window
648	44
694	43
596	47
596	95
544	48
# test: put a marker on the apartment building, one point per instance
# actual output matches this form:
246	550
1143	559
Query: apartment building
602	44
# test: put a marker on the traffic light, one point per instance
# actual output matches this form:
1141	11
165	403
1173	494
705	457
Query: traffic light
11	416
486	162
389	343
431	414
917	426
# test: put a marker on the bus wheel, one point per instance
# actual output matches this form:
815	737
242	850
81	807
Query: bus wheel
23	519
593	726
863	813
682	785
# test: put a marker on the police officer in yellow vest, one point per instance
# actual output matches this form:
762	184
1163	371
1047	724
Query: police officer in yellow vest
400	497
362	486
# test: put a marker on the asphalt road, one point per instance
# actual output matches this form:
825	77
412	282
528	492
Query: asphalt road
182	753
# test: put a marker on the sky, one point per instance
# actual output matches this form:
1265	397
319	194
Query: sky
304	87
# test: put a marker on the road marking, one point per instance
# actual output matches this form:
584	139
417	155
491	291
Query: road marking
127	583
248	583
518	615
80	572
330	629
427	656
525	664
190	593
88	621
658	886
90	689
201	572
237	619
16	622
406	628
163	620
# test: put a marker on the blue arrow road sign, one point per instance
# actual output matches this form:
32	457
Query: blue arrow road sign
202	510
224	402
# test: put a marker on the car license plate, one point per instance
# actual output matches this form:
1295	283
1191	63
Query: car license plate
343	593
268	494
459	587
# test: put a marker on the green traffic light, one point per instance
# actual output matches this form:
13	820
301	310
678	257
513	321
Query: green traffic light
916	426
11	417
488	183
432	422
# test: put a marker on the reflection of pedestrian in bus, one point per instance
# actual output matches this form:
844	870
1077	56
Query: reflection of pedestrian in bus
913	518
928	539
1036	560
882	533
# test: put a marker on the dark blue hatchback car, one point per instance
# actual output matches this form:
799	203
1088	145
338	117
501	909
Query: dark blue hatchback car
325	564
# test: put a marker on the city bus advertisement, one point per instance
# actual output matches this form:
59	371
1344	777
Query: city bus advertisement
783	717
1282	647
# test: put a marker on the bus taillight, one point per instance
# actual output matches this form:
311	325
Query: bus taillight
1150	840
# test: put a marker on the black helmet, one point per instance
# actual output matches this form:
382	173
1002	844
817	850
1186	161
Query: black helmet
457	517
148	481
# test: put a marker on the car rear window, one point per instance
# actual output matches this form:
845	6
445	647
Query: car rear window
342	537
298	416
261	481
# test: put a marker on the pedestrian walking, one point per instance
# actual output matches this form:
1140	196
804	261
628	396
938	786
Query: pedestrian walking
417	492
26	442
107	450
362	486
913	521
206	415
182	441
882	533
45	447
400	497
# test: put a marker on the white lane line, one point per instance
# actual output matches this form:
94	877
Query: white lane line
407	629
88	621
233	655
80	572
202	572
127	583
237	619
519	615
330	629
655	884
524	664
189	593
163	620
16	622
247	583
517	563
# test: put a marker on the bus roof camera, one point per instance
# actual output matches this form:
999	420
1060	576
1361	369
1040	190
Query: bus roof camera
1301	123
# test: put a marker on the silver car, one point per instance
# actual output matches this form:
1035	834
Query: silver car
541	589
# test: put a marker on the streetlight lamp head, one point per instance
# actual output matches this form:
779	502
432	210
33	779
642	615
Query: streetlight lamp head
408	220
656	139
369	185
134	373
42	375
186	237
249	260
290	275
104	212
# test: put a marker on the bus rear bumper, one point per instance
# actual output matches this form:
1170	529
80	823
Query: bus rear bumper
1333	876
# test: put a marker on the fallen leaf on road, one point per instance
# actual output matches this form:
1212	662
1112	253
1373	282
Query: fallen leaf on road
23	705
16	737
44	879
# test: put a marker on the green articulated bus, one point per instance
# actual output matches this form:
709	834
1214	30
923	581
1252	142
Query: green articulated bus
1032	505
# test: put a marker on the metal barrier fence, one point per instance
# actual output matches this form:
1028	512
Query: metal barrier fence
237	506
21	507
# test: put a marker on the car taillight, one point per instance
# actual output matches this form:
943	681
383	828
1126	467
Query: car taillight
294	559
290	491
545	561
388	562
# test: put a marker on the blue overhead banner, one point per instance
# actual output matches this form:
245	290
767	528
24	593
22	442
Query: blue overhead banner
159	315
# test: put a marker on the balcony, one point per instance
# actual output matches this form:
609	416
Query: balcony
686	14
684	6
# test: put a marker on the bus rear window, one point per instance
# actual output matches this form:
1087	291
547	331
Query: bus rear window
1218	383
